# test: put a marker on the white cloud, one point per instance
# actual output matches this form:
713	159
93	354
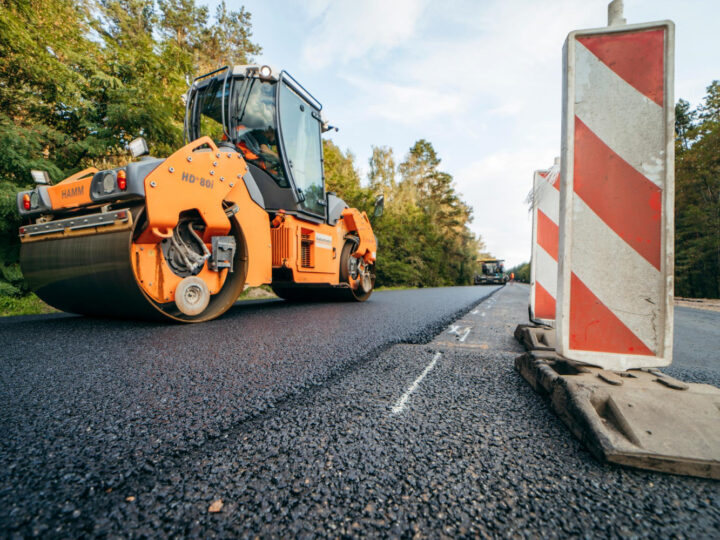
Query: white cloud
487	94
345	31
509	108
406	104
496	187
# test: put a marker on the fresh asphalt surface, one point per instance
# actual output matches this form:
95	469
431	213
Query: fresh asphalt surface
697	344
285	412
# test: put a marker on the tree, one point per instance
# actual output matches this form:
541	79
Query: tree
424	235
685	118
342	177
227	41
521	271
697	198
147	100
49	79
383	172
183	22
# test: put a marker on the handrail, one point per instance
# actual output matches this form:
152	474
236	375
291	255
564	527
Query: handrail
300	89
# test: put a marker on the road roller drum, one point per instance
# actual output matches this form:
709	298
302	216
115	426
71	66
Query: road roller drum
91	272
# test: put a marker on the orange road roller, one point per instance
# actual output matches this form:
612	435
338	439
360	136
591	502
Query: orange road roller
241	205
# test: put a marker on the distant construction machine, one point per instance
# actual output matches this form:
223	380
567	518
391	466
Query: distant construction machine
243	204
492	271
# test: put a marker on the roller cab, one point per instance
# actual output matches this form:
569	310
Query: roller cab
242	204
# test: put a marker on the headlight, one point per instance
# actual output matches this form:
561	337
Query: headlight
34	199
108	182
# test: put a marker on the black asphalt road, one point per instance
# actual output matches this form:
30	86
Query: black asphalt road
86	404
286	414
697	345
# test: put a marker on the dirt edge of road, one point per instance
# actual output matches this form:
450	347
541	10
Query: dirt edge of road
709	304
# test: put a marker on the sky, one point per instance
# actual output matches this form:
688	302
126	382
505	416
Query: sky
480	79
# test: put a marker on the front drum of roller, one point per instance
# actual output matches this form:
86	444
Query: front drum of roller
93	275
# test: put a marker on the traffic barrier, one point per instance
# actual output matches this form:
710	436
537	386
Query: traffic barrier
544	254
615	280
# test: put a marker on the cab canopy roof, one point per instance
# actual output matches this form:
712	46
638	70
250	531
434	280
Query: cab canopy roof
260	71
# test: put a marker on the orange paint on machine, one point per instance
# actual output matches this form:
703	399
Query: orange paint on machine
73	191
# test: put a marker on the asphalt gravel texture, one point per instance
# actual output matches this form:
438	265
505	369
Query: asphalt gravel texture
696	356
86	404
285	414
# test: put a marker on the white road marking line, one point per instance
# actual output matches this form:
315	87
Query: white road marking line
483	314
401	403
453	329
474	312
465	335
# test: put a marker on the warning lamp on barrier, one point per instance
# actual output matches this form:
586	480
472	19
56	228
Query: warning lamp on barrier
121	180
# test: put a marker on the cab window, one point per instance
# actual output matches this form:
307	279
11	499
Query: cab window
303	150
208	107
254	129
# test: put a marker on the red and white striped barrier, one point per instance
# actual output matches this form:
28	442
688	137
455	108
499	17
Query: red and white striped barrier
544	254
615	281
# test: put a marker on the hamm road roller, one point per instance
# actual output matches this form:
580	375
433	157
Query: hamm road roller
243	204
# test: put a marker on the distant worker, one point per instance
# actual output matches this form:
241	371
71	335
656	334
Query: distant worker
512	276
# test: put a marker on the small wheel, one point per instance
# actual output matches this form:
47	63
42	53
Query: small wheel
192	296
356	273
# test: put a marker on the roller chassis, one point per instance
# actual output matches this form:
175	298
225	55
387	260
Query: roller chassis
109	259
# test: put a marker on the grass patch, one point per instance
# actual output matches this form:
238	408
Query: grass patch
257	293
31	305
23	305
395	288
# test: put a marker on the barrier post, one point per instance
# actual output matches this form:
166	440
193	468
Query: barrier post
544	253
615	280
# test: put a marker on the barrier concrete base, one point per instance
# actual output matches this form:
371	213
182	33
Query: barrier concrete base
639	418
536	338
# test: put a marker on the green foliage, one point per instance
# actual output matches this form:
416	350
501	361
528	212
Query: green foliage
22	305
697	197
9	223
11	281
423	235
80	78
521	271
342	177
48	88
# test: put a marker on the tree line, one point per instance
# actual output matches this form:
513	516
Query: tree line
79	79
697	196
424	239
